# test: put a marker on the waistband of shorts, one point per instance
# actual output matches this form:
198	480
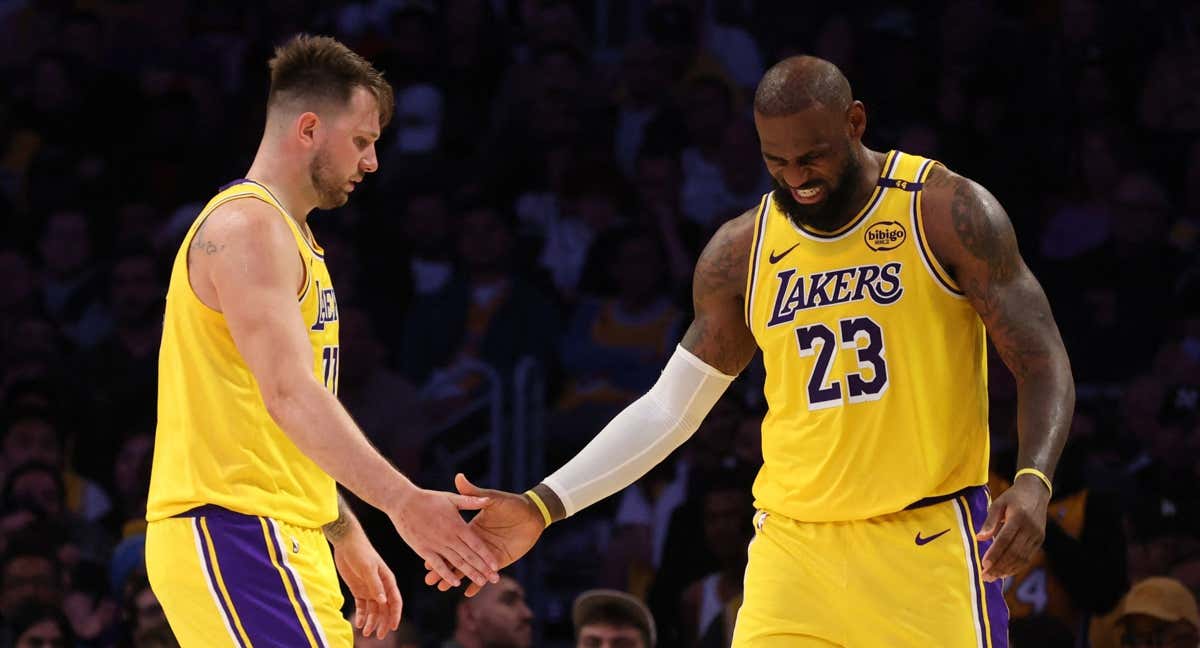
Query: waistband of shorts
212	510
938	499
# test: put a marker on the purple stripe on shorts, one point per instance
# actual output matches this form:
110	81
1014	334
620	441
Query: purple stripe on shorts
254	584
312	624
216	587
997	608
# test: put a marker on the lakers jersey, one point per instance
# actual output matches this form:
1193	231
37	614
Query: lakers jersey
875	360
215	442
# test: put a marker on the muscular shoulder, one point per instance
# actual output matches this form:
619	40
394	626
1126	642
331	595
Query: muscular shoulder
721	269
248	220
963	220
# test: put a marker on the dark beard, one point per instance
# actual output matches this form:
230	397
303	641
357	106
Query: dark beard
825	216
329	191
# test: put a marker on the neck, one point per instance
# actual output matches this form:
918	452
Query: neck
287	181
871	166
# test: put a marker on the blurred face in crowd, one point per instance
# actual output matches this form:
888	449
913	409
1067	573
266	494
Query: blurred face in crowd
647	75
427	224
29	579
485	241
707	112
608	635
18	281
130	465
726	513
499	615
147	611
31	439
44	634
637	269
135	289
345	149
66	245
810	155
38	490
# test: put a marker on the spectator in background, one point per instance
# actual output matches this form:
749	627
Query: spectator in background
605	618
708	110
31	435
496	617
1157	612
659	188
19	290
709	606
616	345
38	626
29	573
592	204
128	358
643	101
487	314
382	402
71	285
145	620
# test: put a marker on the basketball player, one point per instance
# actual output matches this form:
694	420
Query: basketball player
867	280
251	439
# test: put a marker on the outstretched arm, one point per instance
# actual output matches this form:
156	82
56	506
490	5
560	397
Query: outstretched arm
716	347
971	235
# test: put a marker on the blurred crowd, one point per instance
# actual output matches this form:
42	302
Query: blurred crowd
552	172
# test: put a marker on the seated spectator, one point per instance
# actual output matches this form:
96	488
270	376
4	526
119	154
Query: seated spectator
31	435
710	605
29	574
609	618
37	626
71	286
616	345
145	621
1157	612
497	616
488	313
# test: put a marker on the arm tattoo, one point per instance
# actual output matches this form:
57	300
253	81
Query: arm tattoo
337	529
206	246
1007	297
718	334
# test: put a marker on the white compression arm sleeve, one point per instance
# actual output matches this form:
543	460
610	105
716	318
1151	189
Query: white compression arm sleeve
643	434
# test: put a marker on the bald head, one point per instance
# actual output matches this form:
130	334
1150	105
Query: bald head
798	83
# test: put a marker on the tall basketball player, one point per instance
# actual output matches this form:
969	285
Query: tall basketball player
870	282
251	438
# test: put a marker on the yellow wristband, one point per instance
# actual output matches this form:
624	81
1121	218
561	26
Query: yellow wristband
537	501
1036	473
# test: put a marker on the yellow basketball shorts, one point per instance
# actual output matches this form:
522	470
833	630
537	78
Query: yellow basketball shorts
228	579
911	578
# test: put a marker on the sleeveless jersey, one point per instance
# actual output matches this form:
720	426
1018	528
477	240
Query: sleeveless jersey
1035	590
215	442
875	361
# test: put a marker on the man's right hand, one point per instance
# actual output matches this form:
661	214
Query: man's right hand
429	521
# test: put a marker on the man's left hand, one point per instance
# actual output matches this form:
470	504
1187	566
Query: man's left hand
1017	521
377	602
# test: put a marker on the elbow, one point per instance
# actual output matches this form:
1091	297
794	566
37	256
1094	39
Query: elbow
281	394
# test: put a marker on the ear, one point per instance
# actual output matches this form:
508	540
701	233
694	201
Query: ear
306	127
856	119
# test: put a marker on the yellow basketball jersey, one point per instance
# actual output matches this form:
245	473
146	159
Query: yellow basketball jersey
216	443
875	360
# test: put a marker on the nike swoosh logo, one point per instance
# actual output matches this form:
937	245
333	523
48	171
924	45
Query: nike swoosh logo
925	541
773	258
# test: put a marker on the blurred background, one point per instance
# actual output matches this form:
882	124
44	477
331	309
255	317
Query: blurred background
520	267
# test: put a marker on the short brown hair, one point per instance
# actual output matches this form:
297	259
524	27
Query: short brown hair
321	68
